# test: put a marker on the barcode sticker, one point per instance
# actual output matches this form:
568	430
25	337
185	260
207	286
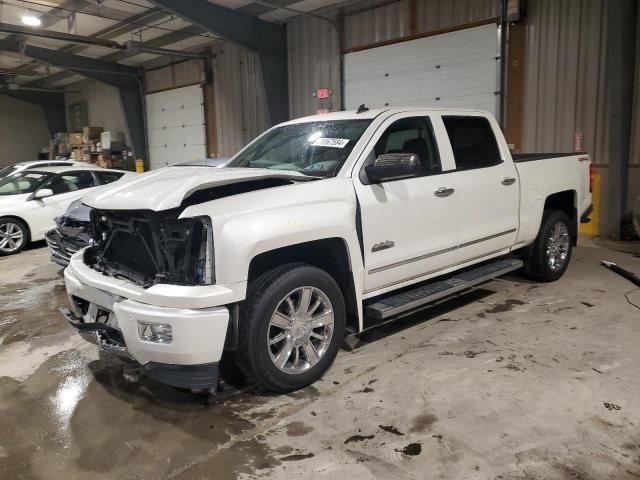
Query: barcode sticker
331	142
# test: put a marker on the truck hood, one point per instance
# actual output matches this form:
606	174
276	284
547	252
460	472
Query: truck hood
168	187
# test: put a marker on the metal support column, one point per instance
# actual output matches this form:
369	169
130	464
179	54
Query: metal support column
621	43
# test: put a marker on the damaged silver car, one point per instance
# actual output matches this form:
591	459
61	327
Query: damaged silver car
72	233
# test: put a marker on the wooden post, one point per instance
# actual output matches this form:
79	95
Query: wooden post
515	85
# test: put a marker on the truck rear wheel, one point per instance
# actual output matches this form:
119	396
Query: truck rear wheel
291	327
550	254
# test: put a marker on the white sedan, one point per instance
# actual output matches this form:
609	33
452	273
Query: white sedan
30	200
19	167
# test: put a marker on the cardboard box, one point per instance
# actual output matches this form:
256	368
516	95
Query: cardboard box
112	140
91	133
75	139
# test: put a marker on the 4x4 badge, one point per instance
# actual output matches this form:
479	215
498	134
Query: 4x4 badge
383	245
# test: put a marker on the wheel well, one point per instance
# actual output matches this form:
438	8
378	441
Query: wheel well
566	202
22	221
330	255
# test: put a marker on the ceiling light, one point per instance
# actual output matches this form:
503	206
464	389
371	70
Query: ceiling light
31	20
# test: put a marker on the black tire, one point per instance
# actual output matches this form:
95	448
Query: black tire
17	226
264	296
537	263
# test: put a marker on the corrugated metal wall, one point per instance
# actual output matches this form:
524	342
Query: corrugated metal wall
314	52
314	62
437	14
176	75
104	106
565	77
241	106
385	22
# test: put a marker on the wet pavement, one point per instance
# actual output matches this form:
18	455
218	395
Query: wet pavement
516	380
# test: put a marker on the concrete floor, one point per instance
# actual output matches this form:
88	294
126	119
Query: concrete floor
517	380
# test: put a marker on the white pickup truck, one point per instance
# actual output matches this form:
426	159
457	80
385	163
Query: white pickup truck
321	227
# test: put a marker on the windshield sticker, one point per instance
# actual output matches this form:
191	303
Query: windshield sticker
330	142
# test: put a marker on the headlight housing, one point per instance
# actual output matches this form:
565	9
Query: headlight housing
151	248
206	259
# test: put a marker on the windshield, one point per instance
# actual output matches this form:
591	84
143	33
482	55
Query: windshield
22	182
313	148
6	171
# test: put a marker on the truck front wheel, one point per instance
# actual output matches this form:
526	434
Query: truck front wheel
291	327
549	256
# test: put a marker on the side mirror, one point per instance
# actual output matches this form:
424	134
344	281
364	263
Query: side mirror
393	166
43	193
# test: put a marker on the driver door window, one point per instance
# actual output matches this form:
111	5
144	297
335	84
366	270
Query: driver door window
412	135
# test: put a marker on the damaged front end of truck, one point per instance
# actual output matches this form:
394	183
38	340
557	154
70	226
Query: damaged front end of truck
150	248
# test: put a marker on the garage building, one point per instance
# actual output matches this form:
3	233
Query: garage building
514	377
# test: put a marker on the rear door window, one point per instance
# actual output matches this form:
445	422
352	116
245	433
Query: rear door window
473	142
108	177
71	182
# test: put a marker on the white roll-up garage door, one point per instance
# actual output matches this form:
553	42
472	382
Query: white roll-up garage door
454	69
176	126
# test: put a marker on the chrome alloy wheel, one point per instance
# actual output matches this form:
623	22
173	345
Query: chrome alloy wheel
557	246
300	330
11	237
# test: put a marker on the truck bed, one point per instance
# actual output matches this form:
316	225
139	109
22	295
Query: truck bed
530	157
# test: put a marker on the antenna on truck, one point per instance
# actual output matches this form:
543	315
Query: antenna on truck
362	109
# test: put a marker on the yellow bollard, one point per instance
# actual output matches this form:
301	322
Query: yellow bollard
139	166
591	229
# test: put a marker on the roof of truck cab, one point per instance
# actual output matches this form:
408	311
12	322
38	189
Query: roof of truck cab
374	112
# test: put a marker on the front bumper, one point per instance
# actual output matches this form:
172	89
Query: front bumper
111	321
110	339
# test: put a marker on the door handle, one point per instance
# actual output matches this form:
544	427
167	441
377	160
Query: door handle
444	192
508	181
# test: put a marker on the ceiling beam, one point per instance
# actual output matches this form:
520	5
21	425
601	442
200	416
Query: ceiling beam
129	25
157	42
106	72
52	35
65	10
265	38
245	30
126	26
